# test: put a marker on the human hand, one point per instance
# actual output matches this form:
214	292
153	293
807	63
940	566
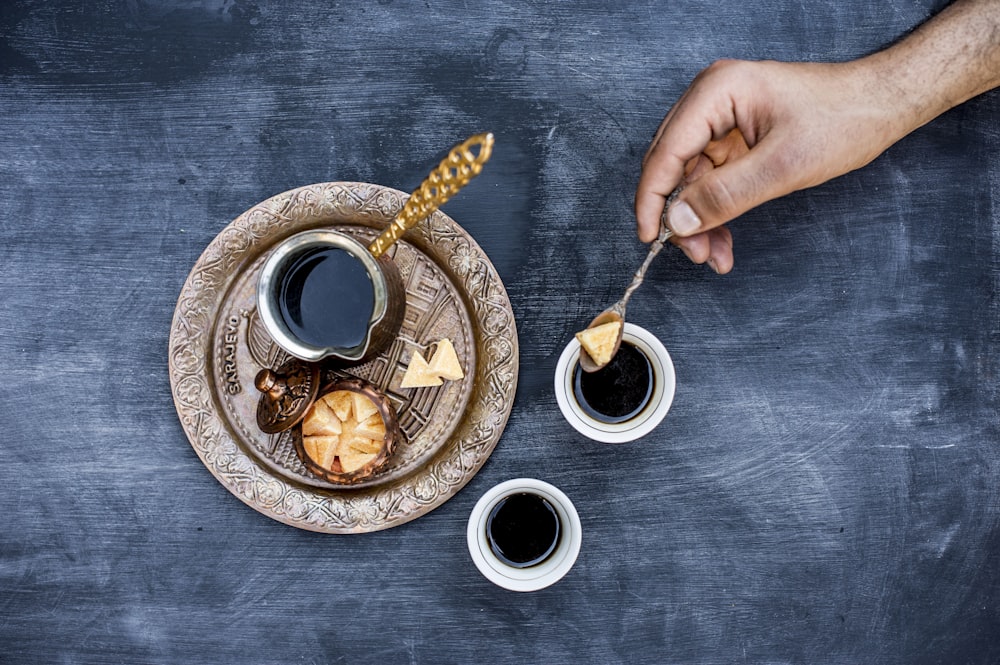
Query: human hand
748	132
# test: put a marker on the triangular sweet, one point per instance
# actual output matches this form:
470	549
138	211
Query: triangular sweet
309	443
364	445
372	428
341	403
599	342
321	420
351	460
363	407
324	449
444	362
419	374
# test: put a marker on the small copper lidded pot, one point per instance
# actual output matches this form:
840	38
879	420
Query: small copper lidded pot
343	429
322	294
349	462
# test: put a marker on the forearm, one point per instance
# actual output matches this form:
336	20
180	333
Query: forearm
946	61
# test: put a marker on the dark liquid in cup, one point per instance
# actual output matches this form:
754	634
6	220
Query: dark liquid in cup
620	390
523	530
326	298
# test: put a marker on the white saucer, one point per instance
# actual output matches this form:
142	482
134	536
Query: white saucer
664	384
544	574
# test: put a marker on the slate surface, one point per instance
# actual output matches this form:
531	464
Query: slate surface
826	488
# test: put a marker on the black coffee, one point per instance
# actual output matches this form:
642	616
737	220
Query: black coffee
326	298
523	530
620	390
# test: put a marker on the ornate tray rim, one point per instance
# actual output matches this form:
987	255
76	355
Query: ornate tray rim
219	447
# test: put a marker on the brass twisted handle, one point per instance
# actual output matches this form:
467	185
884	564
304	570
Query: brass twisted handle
452	174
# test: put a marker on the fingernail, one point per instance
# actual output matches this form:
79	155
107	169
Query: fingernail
682	219
711	264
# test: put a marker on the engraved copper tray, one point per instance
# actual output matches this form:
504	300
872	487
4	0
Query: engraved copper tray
217	345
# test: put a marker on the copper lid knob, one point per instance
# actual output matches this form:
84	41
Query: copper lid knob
267	382
286	394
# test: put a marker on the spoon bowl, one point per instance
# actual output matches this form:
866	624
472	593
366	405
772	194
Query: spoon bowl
610	315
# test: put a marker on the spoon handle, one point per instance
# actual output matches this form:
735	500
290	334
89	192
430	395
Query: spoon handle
654	249
452	174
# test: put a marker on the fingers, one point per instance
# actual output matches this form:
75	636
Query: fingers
697	247
656	182
698	167
666	121
714	247
726	192
705	113
721	257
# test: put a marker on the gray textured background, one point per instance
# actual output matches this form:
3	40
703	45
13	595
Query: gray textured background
824	490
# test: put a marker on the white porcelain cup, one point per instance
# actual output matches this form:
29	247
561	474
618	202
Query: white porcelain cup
534	577
664	384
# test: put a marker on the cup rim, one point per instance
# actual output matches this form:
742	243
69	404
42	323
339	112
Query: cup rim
535	577
637	427
267	309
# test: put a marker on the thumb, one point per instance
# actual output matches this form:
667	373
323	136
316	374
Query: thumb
727	192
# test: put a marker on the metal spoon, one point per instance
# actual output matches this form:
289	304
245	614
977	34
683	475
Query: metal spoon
617	311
